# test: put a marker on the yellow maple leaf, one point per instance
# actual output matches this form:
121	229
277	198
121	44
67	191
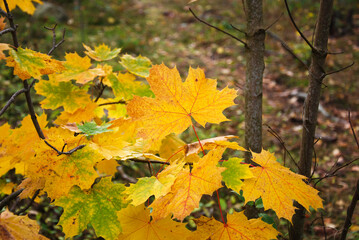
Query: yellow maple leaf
3	47
25	5
102	52
109	144
158	185
60	173
237	227
28	63
278	187
14	227
77	68
107	167
176	102
83	114
136	224
189	187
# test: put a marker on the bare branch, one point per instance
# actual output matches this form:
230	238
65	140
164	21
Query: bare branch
297	28
101	91
2	12
7	30
29	204
339	70
352	128
271	25
11	100
335	53
218	29
12	196
117	102
54	45
350	212
66	153
287	48
239	30
324	228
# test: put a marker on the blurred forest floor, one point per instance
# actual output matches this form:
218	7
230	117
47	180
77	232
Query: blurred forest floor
165	31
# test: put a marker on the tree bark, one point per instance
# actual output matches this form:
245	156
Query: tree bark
254	76
316	76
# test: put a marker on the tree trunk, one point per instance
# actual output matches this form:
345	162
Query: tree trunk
254	76
316	76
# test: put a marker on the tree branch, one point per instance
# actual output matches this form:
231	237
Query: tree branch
218	29
350	212
2	12
66	153
7	30
12	196
339	70
29	204
117	102
54	45
297	28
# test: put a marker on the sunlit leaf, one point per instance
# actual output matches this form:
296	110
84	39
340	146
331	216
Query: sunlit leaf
140	66
102	52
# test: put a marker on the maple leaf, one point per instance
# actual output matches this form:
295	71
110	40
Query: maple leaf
81	114
102	52
172	148
28	63
14	227
237	227
97	206
109	144
235	172
63	94
3	47
158	186
25	5
2	24
139	66
278	187
77	68
107	167
125	87
189	187
136	224
91	128
176	102
6	187
60	173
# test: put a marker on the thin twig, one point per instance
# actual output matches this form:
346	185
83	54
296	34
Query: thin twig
12	196
125	176
276	135
218	29
350	212
271	25
287	48
297	28
328	175
29	204
117	102
339	70
2	12
239	30
335	53
66	153
324	228
352	128
11	100
103	86
7	30
54	45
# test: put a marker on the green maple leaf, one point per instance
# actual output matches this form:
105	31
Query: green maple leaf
91	128
102	52
63	94
139	66
235	172
97	206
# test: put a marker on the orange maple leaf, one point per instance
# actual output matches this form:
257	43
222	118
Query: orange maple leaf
237	227
176	102
189	187
2	23
278	187
136	224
